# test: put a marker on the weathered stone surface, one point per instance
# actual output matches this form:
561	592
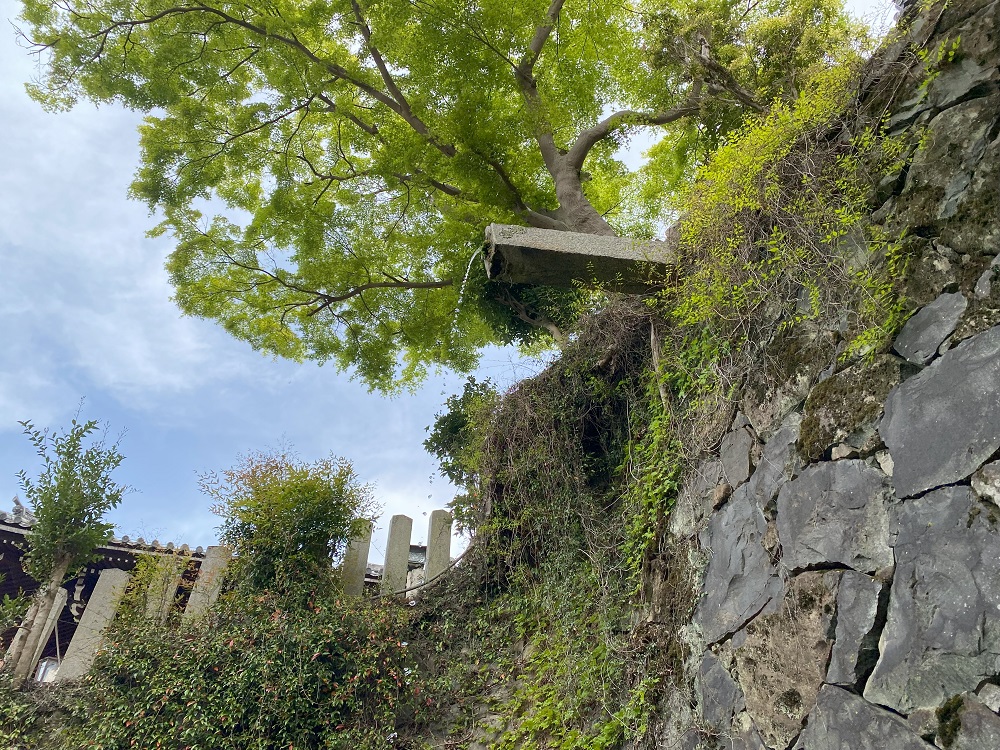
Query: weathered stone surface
438	544
735	454
989	694
740	579
942	636
778	463
939	183
941	424
845	407
986	482
352	570
721	697
920	338
835	513
93	624
782	659
884	461
547	257
208	585
397	554
695	500
984	284
933	268
979	727
855	646
842	720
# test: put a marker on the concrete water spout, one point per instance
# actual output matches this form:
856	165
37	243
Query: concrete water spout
547	257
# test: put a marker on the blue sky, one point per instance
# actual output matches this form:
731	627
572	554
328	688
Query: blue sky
85	312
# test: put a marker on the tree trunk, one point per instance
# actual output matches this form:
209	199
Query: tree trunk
575	209
21	654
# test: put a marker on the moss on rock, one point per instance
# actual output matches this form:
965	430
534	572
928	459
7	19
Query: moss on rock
845	406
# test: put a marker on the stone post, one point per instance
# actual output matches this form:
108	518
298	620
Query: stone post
438	544
208	585
50	624
162	591
352	571
397	554
93	624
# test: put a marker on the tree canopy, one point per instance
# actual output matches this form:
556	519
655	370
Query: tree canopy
327	167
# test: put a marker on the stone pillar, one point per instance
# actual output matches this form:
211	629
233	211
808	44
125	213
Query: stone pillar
94	623
438	544
162	591
397	554
208	585
352	571
50	624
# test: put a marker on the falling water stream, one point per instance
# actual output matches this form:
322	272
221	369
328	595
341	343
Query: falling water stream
461	289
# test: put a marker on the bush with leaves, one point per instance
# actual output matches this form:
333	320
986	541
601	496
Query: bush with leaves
283	659
304	668
284	519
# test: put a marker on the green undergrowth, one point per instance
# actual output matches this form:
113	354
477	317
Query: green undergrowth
775	229
548	663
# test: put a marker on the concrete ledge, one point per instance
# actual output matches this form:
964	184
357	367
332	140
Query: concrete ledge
546	257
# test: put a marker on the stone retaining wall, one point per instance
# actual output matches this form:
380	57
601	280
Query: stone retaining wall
851	540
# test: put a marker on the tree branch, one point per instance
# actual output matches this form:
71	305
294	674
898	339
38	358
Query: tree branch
338	71
592	136
405	111
526	67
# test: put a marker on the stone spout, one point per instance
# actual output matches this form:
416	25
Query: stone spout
546	257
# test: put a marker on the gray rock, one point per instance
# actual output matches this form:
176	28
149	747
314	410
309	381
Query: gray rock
740	579
920	338
942	635
835	513
924	721
779	462
846	407
855	646
842	720
721	697
989	694
744	735
986	482
974	36
941	424
941	173
695	500
984	285
884	459
978	727
735	454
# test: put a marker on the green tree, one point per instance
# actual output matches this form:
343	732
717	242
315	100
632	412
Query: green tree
356	149
69	498
284	519
456	440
